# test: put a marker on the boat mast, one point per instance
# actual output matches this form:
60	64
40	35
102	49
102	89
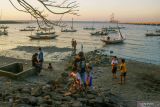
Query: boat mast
119	31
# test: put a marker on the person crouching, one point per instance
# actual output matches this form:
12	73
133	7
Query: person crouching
35	62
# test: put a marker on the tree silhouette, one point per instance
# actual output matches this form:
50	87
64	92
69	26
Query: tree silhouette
56	7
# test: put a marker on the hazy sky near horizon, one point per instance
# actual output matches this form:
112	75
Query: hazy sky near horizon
124	10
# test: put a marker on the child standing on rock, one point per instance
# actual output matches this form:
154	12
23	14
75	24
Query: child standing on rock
89	75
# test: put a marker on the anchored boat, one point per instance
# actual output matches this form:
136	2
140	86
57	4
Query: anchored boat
43	36
45	33
108	40
69	30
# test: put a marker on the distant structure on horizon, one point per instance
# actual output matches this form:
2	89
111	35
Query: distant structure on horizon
112	20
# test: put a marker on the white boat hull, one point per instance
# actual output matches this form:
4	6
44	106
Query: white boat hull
112	41
45	33
43	37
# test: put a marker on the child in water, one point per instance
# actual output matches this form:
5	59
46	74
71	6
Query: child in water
50	66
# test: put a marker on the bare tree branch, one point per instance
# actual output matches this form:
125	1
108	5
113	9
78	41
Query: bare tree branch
65	7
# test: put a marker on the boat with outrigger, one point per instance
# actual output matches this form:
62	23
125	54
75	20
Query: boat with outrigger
108	40
44	33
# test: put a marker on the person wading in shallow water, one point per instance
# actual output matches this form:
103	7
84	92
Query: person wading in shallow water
75	45
123	71
72	43
114	64
50	67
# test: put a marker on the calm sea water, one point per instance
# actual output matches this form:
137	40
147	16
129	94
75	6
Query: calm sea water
136	46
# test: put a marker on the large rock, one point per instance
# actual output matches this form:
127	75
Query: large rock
67	98
25	100
33	101
77	104
37	91
57	97
83	100
26	90
99	100
49	102
90	96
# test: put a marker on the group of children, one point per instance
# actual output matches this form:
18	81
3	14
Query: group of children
81	73
122	69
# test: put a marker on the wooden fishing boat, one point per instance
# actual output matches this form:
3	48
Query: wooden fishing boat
27	29
115	40
44	33
69	30
43	36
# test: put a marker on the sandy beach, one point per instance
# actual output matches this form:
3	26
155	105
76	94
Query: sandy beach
143	83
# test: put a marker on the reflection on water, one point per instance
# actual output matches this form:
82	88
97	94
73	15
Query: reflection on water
137	46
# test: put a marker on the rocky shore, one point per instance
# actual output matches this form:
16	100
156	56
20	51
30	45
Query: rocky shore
49	88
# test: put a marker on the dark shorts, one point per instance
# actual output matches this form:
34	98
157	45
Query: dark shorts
114	70
123	74
83	70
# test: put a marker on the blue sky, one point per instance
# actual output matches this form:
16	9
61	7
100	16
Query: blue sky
124	10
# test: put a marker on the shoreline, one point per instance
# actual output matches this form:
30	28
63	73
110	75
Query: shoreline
143	23
142	83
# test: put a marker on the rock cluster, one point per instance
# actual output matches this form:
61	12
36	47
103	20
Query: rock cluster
52	94
97	58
